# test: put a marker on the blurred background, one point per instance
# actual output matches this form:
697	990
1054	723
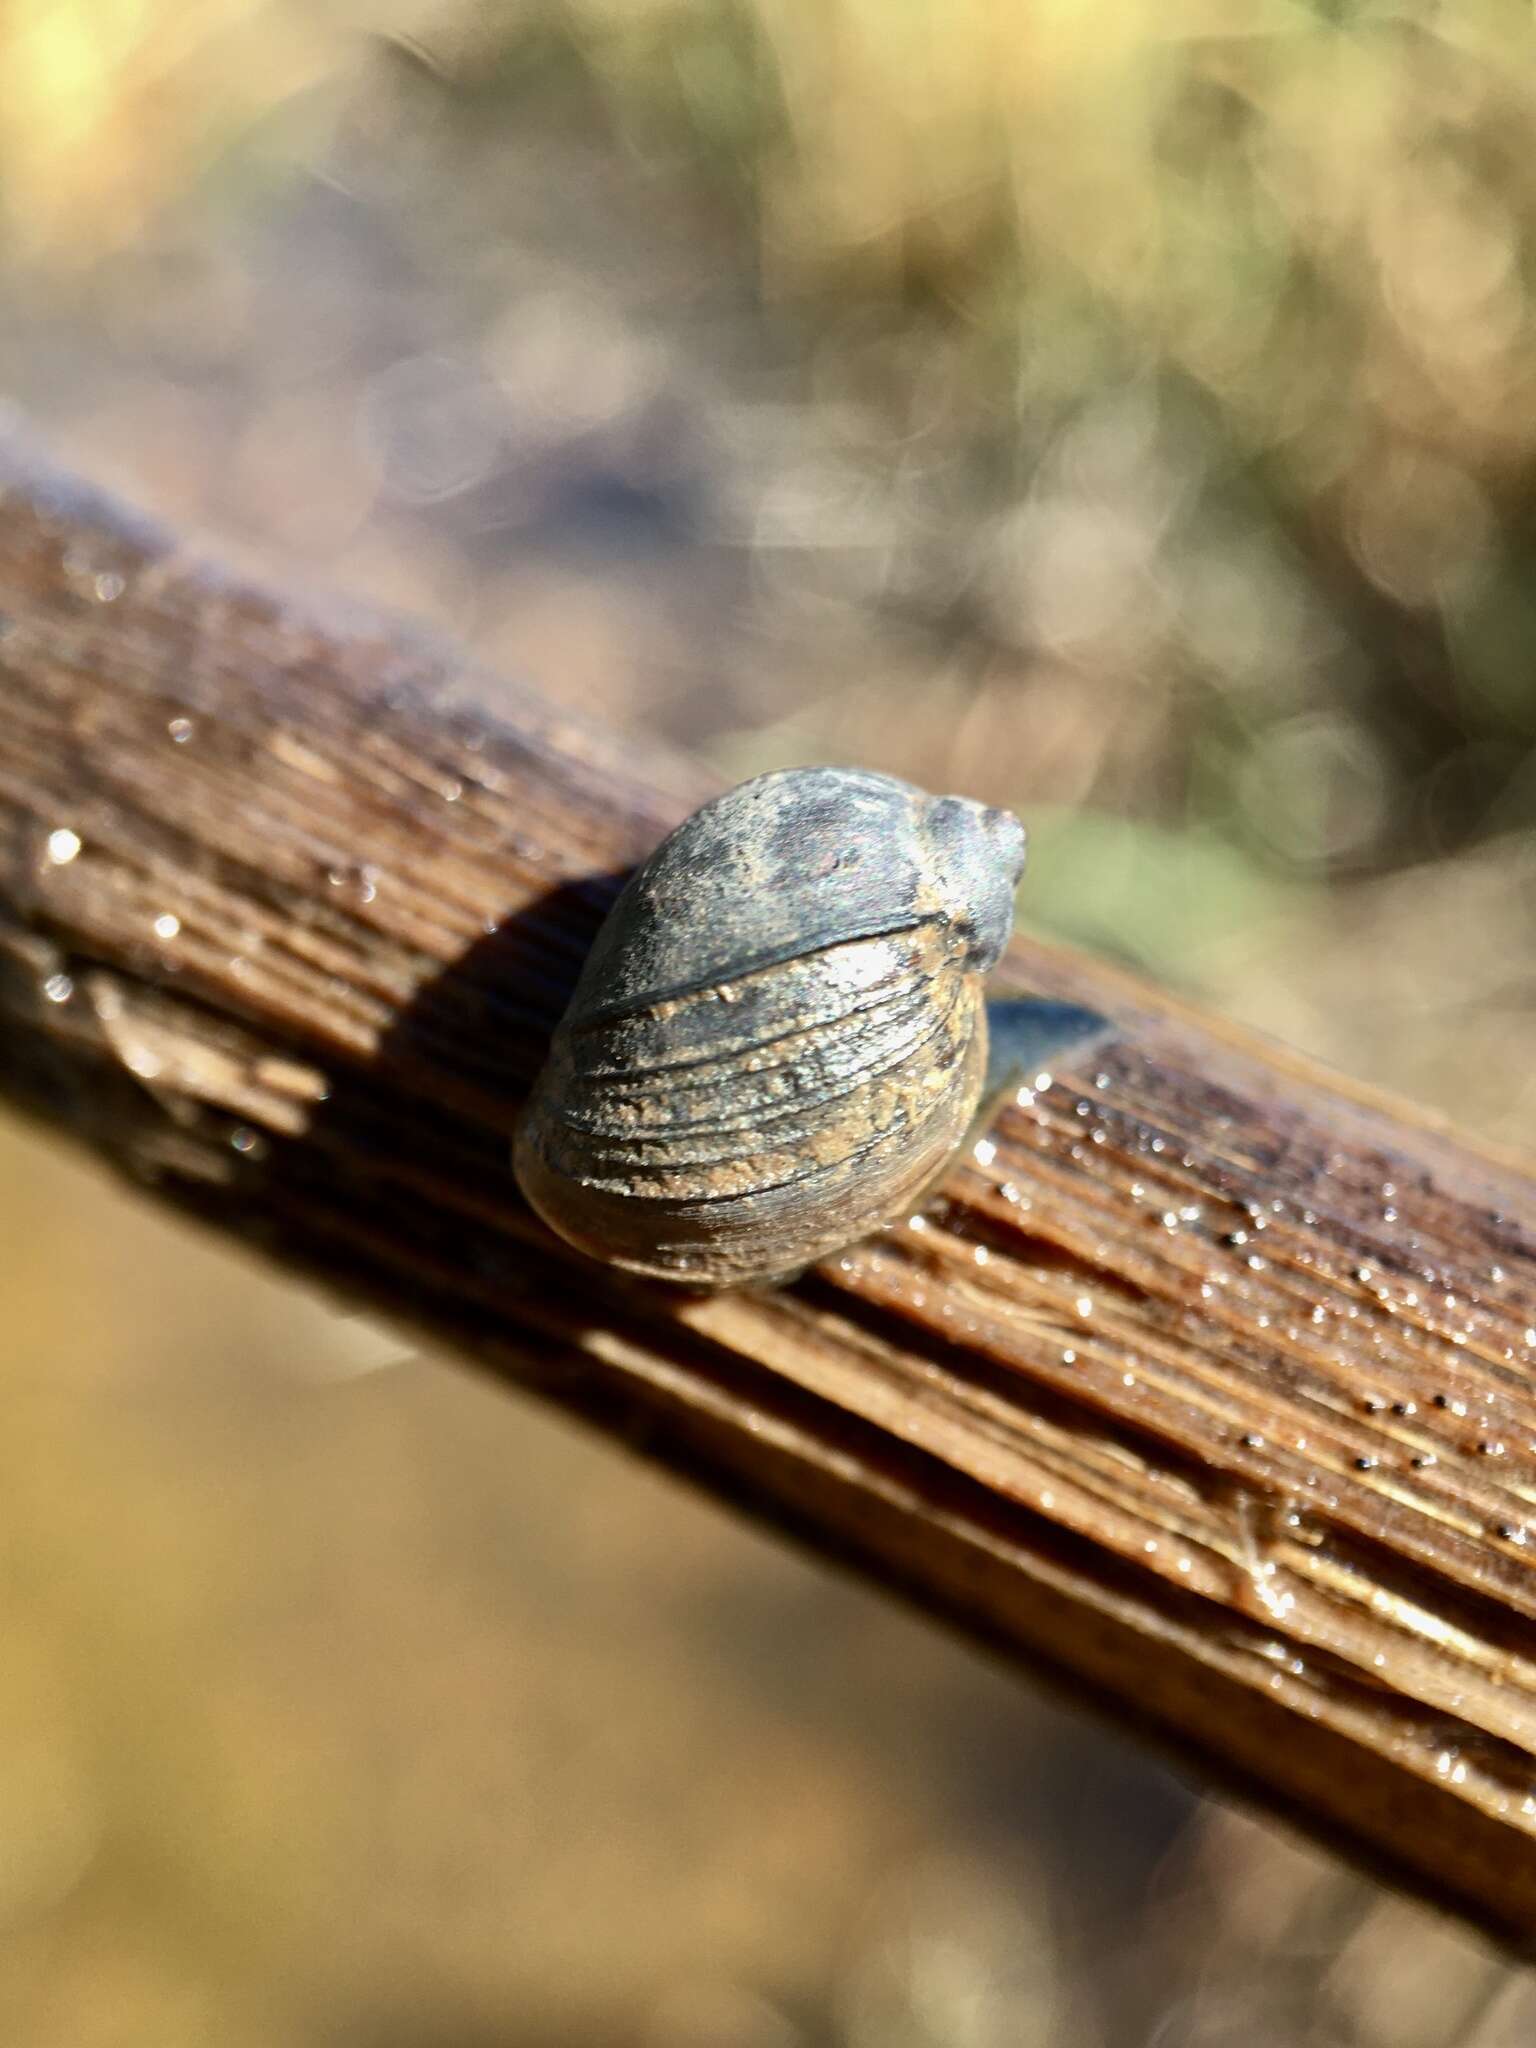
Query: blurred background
1124	410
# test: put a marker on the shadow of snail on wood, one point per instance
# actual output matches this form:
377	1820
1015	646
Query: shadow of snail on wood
779	1038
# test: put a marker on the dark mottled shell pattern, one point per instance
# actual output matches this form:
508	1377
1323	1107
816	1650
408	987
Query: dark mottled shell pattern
778	1038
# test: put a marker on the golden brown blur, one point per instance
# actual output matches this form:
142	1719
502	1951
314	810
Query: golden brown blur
1121	410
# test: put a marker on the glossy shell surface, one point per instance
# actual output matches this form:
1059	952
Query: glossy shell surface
778	1038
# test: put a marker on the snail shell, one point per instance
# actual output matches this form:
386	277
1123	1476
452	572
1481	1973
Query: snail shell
778	1038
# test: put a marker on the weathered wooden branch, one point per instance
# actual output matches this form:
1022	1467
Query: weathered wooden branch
1206	1384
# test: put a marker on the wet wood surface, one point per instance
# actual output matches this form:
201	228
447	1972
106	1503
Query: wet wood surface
1204	1386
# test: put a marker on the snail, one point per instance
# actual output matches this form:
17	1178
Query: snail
778	1039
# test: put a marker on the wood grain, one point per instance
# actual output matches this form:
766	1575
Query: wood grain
1205	1385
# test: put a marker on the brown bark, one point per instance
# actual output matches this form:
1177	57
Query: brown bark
1205	1385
